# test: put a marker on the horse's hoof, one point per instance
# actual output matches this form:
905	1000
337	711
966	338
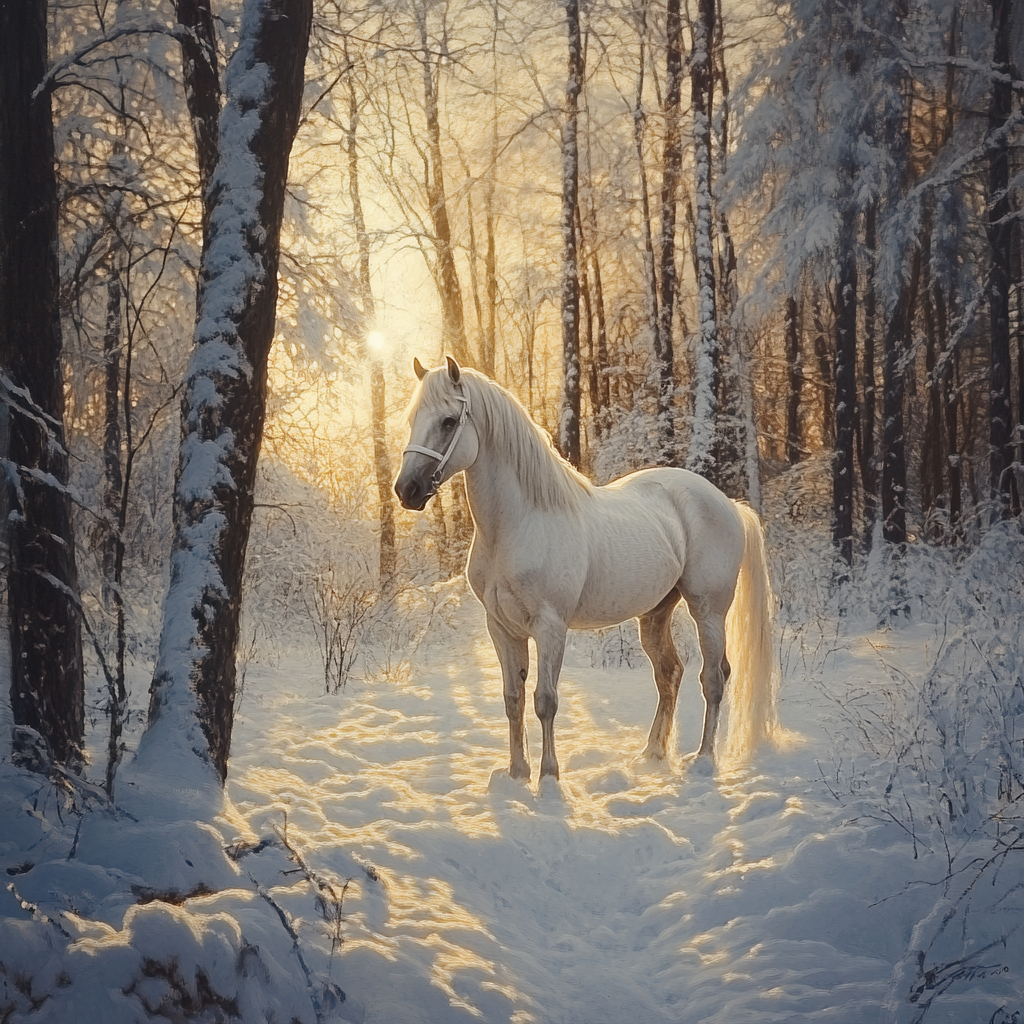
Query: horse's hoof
519	772
550	789
700	764
502	784
653	755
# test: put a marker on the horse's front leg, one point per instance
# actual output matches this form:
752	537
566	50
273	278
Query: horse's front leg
514	657
550	639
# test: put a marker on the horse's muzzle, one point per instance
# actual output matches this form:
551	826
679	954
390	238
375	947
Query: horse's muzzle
413	494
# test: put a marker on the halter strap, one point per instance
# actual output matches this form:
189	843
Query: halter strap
443	457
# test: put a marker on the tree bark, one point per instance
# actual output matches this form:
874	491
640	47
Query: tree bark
705	404
894	464
202	83
795	375
866	417
224	403
47	693
845	301
453	327
671	172
998	286
932	461
569	418
387	557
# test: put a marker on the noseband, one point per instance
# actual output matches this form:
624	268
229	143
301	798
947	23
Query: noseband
443	457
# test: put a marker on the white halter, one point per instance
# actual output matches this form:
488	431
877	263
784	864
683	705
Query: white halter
443	457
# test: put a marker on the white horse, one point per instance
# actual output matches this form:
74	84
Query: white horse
551	552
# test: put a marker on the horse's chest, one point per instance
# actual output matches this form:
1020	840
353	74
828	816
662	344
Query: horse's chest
516	589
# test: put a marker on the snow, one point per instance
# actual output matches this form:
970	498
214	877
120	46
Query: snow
372	861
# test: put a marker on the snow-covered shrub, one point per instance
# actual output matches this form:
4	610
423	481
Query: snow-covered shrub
341	600
941	754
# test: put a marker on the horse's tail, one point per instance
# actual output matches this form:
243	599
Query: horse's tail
753	688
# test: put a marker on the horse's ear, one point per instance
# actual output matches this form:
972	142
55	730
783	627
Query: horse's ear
418	368
454	370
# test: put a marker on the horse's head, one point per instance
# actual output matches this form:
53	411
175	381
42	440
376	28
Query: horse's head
442	438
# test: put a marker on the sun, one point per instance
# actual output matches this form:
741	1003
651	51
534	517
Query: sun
376	341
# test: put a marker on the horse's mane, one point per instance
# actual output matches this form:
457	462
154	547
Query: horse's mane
548	481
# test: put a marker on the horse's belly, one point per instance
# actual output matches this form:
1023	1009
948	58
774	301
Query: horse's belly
635	589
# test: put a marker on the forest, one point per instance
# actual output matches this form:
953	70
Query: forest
778	244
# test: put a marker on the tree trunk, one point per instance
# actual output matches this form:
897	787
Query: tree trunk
795	372
845	301
47	693
569	418
202	84
825	374
705	387
950	404
453	328
866	417
639	118
603	378
998	287
224	404
671	172
387	558
931	467
490	333
894	464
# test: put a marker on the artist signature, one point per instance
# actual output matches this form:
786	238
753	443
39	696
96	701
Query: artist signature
1002	1016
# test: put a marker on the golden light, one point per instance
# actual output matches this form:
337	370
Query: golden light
376	341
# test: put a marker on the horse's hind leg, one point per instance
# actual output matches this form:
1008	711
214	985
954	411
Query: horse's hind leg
714	674
514	657
656	639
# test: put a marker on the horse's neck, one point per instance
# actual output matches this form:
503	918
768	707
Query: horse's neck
496	495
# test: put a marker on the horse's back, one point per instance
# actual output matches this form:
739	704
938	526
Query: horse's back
710	524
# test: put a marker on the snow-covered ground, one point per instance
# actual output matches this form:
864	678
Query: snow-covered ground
380	853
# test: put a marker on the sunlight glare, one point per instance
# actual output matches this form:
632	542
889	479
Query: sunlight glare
376	341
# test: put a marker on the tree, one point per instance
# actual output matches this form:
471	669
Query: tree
672	161
224	401
999	230
378	411
47	691
453	329
569	418
705	388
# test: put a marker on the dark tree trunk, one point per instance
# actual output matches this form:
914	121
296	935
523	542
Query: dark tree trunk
703	444
826	376
378	409
946	385
639	119
999	235
569	419
672	163
932	461
795	376
894	464
224	404
866	418
453	327
488	356
113	476
47	693
202	83
845	301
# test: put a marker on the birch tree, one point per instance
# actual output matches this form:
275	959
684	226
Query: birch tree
569	419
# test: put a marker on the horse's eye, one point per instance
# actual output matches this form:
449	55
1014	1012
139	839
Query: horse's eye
448	423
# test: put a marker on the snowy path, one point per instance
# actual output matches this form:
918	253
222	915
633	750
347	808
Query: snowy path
623	894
